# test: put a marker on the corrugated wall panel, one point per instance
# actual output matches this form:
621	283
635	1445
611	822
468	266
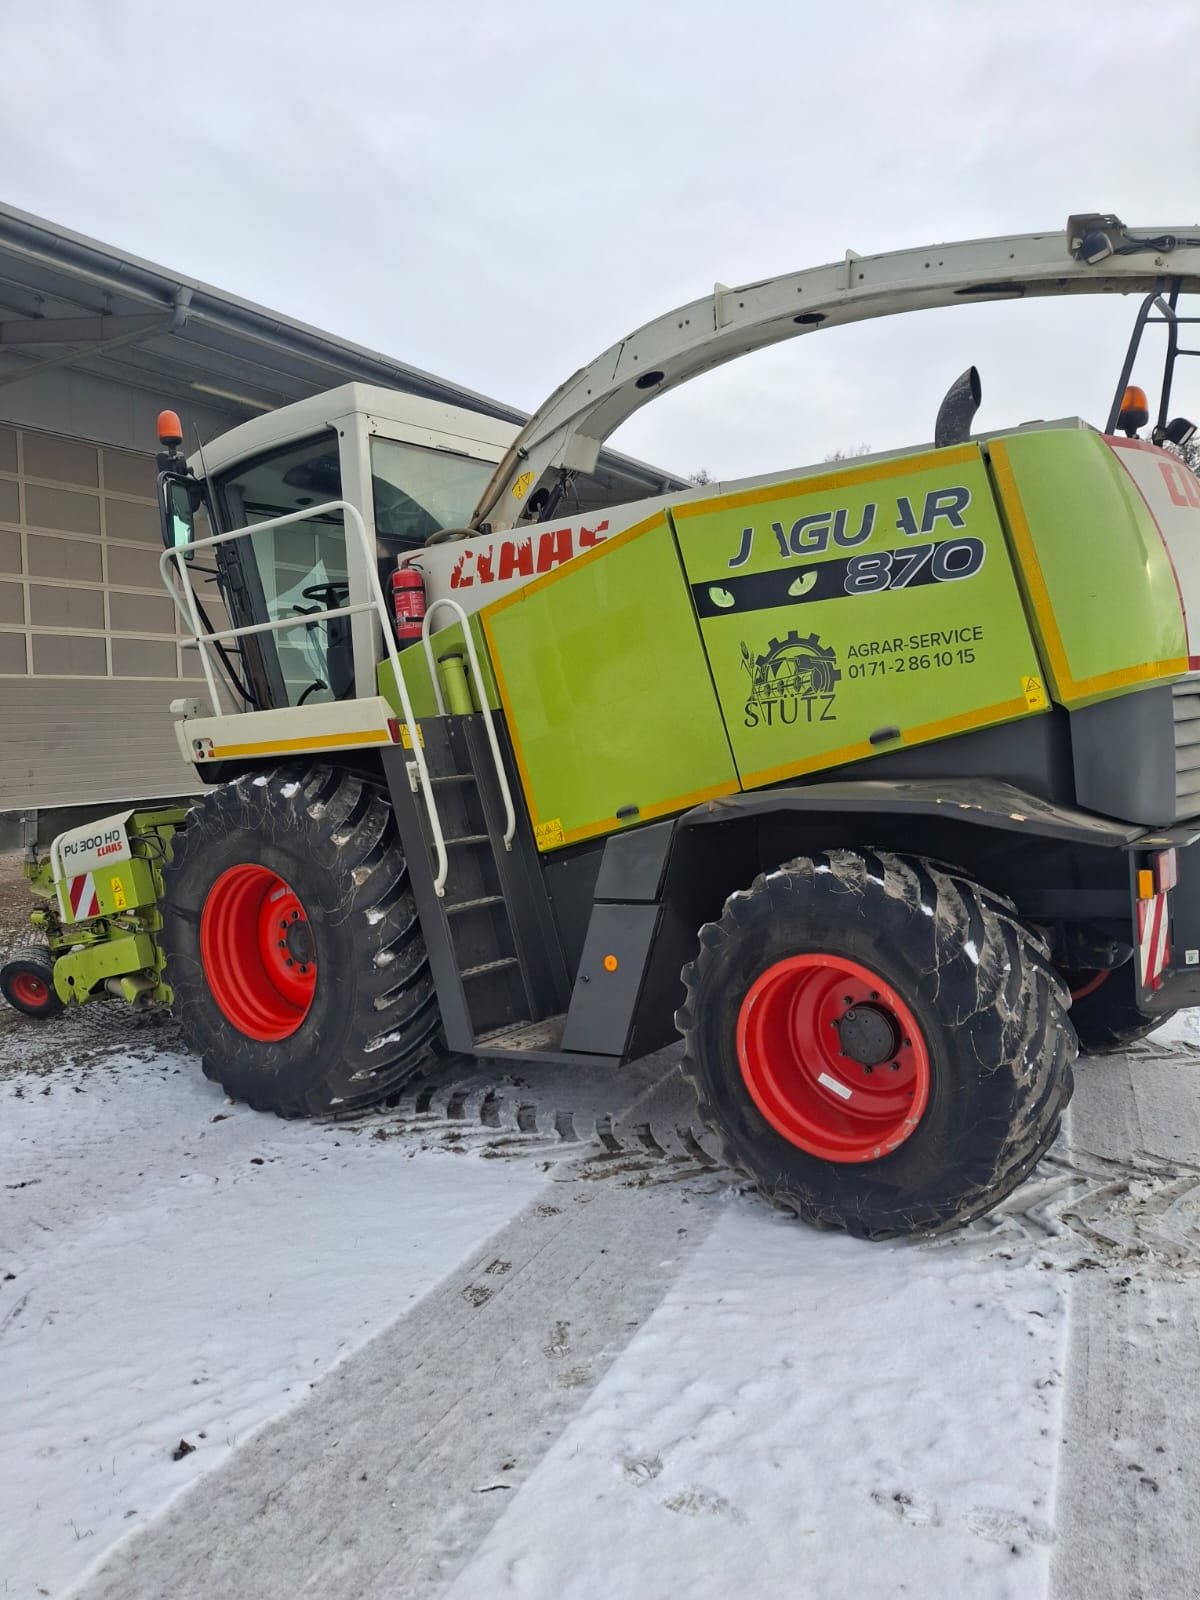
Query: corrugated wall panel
66	743
90	655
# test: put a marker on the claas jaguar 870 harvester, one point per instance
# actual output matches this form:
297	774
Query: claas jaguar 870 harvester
877	780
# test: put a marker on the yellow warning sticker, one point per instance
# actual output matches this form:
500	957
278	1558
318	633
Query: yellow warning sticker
1035	694
547	834
406	737
118	893
521	488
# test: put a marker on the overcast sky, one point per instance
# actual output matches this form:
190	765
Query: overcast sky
496	192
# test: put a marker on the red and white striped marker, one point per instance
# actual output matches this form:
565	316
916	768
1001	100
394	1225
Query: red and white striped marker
82	897
1153	944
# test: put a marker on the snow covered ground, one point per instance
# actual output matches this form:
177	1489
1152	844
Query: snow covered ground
178	1268
444	1352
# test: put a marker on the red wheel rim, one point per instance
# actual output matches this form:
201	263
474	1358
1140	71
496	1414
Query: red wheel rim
30	990
258	954
833	1058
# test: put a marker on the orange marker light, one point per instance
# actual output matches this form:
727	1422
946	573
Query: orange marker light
170	429
1135	410
611	963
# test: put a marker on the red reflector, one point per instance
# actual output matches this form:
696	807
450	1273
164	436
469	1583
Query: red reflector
393	727
1166	870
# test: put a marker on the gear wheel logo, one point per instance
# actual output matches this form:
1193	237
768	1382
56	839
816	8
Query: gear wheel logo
794	668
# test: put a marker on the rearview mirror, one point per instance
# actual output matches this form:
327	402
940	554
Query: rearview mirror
179	499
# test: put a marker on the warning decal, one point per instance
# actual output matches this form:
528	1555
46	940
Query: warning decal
81	897
1035	693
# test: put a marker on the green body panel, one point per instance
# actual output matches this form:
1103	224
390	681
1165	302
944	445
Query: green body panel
447	642
78	973
120	942
1096	574
40	879
859	612
776	632
606	689
125	886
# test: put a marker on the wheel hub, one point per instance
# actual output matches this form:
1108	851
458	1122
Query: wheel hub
298	941
30	989
869	1034
833	1057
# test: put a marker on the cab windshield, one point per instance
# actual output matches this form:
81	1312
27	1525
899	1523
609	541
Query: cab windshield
301	569
417	491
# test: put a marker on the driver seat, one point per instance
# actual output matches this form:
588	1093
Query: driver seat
339	653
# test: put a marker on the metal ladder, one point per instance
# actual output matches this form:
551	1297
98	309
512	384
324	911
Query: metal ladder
492	950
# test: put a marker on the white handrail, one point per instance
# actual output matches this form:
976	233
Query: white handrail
353	519
510	816
57	873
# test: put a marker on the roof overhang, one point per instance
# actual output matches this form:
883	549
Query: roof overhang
70	301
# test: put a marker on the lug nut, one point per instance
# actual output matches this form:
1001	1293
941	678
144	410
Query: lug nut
895	1066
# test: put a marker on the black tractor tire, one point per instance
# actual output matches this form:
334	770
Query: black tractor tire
372	1022
1107	1019
980	986
27	982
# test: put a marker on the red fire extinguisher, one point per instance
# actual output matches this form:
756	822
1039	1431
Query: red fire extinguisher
408	602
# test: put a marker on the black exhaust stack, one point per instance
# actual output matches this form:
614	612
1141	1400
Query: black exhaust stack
957	411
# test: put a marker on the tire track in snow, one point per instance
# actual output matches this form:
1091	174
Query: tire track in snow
1128	1503
405	1455
1083	1210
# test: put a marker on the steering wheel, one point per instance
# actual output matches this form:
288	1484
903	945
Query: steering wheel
328	596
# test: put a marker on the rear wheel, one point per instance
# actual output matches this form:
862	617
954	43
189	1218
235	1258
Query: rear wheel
1105	1012
293	948
878	1042
27	982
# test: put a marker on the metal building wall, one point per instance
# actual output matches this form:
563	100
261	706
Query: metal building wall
90	656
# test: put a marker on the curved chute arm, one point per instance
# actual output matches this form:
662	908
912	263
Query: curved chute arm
1095	254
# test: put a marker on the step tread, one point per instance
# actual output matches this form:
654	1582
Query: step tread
489	966
544	1035
452	906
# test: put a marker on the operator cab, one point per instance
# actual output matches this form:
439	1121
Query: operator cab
304	567
411	466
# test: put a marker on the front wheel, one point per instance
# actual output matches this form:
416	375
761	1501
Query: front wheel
293	949
878	1042
27	982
